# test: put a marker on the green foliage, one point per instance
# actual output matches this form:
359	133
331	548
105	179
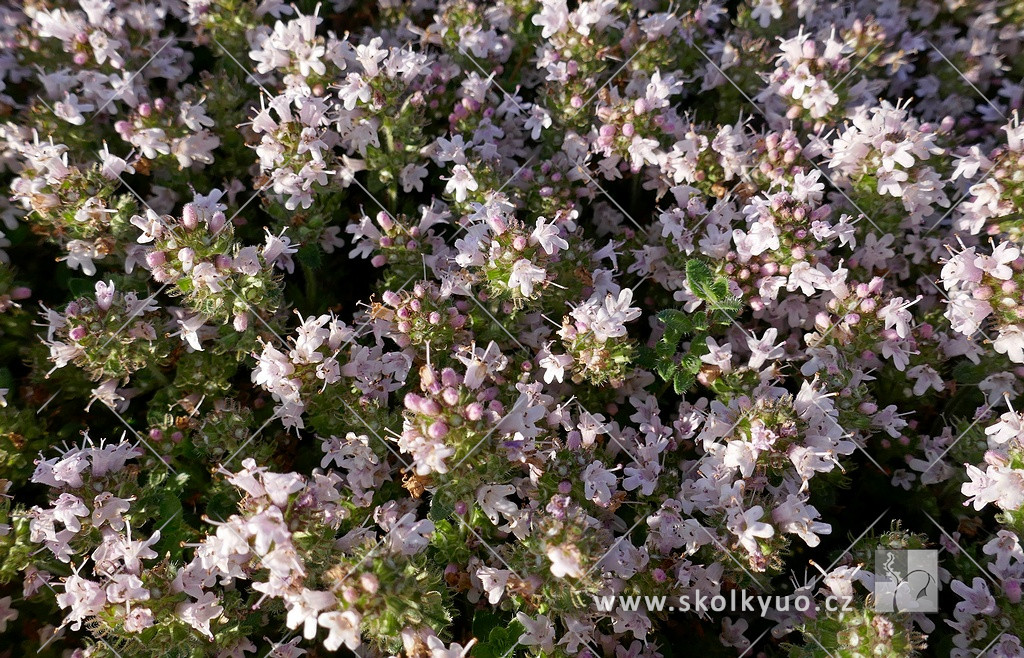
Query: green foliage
680	368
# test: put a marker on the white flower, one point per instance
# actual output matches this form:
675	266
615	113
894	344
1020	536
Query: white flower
410	536
598	483
748	528
198	614
525	275
564	561
460	183
547	236
493	581
610	318
765	11
1011	343
304	609
540	632
7	613
343	628
493	500
554	366
538	120
764	349
412	176
553	17
71	110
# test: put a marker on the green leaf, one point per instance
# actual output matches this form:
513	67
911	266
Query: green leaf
665	349
683	381
672	317
309	256
646	358
666	369
690	363
81	287
700	278
500	641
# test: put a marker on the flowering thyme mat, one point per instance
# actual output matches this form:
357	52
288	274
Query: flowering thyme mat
437	329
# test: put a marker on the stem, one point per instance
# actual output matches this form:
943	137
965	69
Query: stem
389	146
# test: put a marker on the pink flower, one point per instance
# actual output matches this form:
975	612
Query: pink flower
199	613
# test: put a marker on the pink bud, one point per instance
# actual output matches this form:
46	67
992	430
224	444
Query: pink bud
217	222
1012	589
437	430
474	411
190	216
